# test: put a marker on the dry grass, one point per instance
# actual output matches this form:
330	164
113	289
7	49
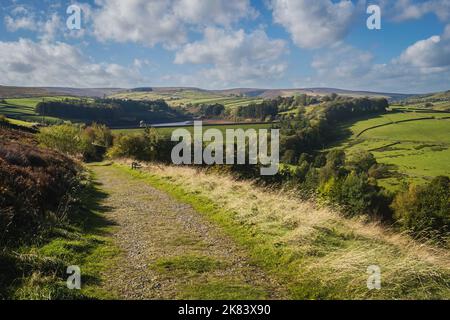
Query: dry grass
327	251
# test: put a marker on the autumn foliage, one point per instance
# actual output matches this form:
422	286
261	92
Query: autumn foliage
34	186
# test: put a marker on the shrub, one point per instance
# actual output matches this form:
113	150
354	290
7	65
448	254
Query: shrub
360	196
129	146
65	138
421	209
35	184
99	134
148	146
361	161
89	143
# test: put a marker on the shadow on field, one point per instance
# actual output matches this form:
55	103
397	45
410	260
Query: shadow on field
91	215
37	270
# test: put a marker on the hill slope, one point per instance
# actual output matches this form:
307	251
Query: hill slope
314	252
21	92
10	92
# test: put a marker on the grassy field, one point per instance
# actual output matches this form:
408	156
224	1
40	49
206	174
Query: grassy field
24	109
167	132
184	97
417	150
438	106
20	122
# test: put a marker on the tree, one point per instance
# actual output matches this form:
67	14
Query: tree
425	208
361	161
66	138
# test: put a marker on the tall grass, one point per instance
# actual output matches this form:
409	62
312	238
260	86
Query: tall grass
314	251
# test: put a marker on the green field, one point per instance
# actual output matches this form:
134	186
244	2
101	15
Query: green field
19	122
416	150
167	132
185	97
23	109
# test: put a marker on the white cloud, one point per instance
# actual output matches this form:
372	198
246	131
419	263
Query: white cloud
28	63
430	53
153	21
22	18
148	22
219	12
342	61
402	10
219	46
237	57
14	24
314	24
423	66
51	27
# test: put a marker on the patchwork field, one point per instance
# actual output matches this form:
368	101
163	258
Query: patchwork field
23	109
416	150
167	132
185	97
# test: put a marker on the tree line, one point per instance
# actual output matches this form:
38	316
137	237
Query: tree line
109	111
314	130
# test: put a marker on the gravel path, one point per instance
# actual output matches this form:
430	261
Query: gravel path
159	237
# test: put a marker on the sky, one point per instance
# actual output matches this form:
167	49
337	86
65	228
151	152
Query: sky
218	44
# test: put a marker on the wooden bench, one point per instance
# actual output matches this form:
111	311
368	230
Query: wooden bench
135	165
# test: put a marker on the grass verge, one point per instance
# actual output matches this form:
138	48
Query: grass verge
38	271
315	253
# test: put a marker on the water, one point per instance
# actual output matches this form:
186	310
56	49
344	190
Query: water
174	124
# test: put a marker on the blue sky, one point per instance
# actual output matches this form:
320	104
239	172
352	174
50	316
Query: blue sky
218	44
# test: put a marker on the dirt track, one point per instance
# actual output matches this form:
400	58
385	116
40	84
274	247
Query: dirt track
170	251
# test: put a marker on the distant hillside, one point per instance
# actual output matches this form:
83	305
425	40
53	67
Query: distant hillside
23	92
8	91
272	93
439	101
431	97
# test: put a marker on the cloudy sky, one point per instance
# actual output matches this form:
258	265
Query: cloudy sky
227	43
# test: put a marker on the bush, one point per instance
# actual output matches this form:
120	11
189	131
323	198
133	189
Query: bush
35	185
346	183
88	143
361	161
99	134
424	209
358	195
148	146
129	146
68	139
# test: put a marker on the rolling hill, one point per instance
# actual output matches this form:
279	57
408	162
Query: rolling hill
25	92
180	92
